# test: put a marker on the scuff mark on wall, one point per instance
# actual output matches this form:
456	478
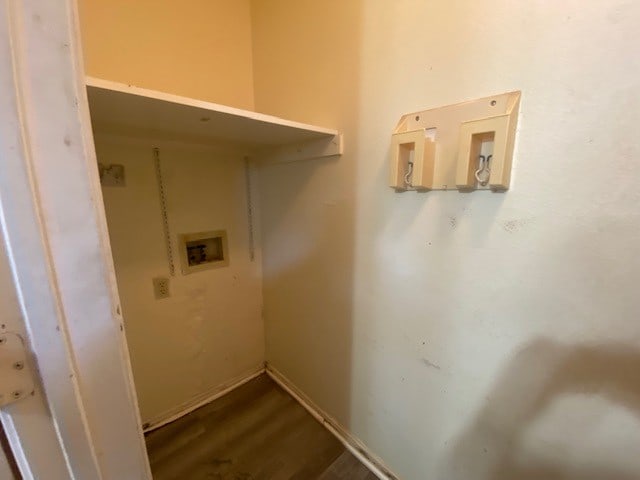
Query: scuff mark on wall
430	364
513	226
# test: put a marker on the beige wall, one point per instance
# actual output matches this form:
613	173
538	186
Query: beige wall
199	48
484	336
209	332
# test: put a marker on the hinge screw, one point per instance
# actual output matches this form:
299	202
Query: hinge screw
18	365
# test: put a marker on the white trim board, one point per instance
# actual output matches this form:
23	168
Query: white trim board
86	423
200	400
350	441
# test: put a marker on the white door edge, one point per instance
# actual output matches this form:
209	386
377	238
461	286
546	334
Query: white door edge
55	235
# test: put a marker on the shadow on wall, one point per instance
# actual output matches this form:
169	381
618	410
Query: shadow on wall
544	370
307	208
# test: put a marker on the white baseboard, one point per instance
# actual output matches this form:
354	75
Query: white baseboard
351	442
199	401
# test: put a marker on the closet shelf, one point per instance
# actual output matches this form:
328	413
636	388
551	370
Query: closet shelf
125	109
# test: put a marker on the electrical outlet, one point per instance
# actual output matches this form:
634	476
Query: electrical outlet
161	287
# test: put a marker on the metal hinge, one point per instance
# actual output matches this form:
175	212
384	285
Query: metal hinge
16	377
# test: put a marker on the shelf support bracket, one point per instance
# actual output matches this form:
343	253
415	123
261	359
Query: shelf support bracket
318	148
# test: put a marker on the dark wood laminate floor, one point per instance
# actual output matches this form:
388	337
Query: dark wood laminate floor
256	432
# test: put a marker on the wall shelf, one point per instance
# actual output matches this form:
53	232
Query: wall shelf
124	109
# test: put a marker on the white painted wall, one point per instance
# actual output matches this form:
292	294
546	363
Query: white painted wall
209	332
484	336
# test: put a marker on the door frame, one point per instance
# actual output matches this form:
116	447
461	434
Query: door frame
55	235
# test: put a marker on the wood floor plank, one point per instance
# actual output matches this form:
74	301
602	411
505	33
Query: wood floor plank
227	430
256	432
347	467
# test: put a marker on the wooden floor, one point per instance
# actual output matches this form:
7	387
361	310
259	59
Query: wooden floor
256	432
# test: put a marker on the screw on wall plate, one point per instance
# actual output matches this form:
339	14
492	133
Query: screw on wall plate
16	394
18	365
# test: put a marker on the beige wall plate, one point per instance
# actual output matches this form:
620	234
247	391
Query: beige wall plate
447	142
